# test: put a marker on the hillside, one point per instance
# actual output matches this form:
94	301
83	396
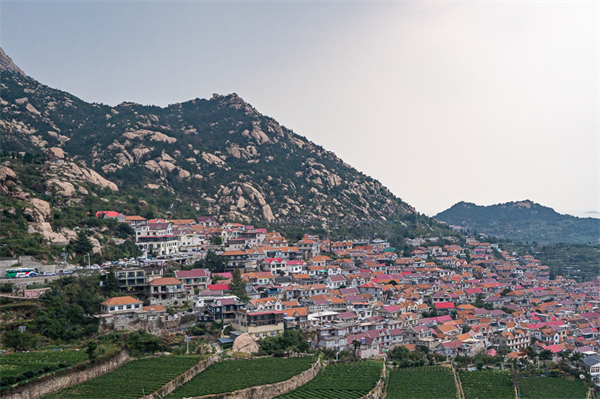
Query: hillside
216	156
523	221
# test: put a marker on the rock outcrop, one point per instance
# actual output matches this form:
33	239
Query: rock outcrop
245	344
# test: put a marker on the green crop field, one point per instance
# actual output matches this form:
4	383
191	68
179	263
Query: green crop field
340	381
487	385
551	388
132	380
421	382
23	366
233	375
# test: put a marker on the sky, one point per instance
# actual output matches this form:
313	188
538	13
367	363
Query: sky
478	101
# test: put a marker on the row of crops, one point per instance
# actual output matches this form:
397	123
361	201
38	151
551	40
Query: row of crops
229	376
499	385
487	384
551	388
438	383
340	381
18	367
132	380
421	383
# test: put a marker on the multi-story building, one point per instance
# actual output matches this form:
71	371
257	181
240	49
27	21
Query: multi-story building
166	291
259	324
195	278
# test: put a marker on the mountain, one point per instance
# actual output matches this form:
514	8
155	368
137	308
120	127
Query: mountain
216	156
523	221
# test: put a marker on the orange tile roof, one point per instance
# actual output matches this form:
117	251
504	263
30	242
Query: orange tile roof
157	308
165	281
121	300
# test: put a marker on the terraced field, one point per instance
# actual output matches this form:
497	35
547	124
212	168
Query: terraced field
551	388
487	385
132	380
23	366
421	383
340	381
233	375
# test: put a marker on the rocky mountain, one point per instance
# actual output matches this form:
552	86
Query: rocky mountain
216	156
523	221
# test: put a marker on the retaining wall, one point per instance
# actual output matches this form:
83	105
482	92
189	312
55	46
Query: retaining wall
270	390
377	392
182	379
52	383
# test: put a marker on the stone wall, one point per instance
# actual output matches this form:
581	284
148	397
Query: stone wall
270	390
377	392
182	379
52	383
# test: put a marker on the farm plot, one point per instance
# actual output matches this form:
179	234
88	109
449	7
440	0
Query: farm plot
487	384
23	366
233	375
340	381
132	380
551	388
421	382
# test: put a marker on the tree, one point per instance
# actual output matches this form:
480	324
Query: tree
238	286
212	262
82	244
91	351
20	341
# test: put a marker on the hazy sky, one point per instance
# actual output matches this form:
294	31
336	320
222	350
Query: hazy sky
442	102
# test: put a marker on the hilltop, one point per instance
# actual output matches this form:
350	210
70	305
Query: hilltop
523	221
216	156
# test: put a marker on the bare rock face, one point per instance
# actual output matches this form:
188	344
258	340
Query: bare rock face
40	211
166	166
7	174
183	174
45	230
63	189
151	135
7	64
245	344
55	154
212	159
267	213
152	166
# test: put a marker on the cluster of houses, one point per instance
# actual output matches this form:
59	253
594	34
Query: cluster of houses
453	299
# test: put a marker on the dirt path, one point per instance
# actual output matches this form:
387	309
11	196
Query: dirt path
459	390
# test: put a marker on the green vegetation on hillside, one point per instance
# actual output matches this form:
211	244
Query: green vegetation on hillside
552	388
579	261
233	375
421	383
132	380
487	384
523	222
18	367
340	380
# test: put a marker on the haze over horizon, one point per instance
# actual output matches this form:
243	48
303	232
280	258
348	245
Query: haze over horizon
441	102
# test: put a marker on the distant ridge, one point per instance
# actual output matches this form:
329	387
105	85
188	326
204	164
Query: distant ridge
523	221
